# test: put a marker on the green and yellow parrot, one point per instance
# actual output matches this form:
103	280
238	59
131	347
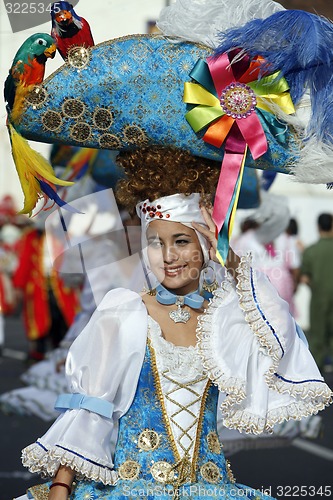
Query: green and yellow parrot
27	70
35	173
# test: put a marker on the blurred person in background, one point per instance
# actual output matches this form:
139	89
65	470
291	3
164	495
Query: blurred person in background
287	254
49	306
317	273
264	234
10	234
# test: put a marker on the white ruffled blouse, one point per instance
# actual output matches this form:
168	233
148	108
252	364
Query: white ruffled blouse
248	345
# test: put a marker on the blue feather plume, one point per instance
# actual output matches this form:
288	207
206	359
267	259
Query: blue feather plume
50	193
300	45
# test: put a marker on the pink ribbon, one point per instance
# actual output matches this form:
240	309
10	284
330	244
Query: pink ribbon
244	131
234	150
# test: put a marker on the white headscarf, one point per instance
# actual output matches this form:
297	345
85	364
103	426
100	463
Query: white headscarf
174	208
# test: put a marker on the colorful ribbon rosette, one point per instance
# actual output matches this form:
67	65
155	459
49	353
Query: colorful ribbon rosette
226	95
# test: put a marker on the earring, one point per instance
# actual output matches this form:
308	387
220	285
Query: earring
209	283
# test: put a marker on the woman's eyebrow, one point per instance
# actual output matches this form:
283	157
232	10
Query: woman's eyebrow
181	234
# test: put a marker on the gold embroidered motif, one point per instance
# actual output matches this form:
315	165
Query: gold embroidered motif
78	57
134	134
80	132
129	470
162	472
73	108
148	440
231	477
210	472
36	97
52	120
213	442
109	141
39	492
102	118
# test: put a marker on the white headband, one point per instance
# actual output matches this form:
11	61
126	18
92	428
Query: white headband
175	208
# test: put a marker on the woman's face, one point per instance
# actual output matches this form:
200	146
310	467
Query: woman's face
175	256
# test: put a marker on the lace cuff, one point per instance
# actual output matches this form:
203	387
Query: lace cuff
37	458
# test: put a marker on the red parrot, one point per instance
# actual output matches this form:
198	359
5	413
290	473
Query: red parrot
68	29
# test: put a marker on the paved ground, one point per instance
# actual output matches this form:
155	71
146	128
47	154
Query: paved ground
283	471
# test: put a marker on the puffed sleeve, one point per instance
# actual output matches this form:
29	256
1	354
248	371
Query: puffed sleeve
102	368
250	347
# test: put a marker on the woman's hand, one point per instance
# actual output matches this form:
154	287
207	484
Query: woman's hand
233	260
208	233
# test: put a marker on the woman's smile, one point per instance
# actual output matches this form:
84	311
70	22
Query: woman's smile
174	271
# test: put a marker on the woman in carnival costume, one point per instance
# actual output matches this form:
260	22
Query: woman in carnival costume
145	383
146	372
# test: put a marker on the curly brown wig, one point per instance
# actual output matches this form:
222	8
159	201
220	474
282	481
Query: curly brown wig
157	171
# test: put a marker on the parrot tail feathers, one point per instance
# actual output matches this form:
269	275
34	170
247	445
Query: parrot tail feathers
31	168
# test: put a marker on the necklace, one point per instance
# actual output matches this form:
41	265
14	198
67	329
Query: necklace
193	300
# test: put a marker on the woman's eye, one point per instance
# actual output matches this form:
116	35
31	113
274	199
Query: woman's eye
155	244
182	242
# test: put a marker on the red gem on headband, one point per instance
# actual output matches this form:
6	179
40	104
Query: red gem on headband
153	211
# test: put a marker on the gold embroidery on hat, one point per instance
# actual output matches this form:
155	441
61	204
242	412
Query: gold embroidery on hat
80	132
210	472
109	141
213	442
36	97
162	472
102	118
52	120
148	440
134	134
73	108
78	57
129	470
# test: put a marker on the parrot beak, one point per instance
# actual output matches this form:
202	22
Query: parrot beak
64	17
50	51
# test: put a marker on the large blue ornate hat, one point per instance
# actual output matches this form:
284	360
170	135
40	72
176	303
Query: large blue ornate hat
260	99
128	93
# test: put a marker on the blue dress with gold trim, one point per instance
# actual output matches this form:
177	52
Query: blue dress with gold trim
148	460
153	432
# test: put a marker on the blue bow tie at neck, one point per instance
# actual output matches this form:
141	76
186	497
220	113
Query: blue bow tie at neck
193	299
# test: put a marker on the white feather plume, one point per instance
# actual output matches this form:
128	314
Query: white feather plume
200	21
